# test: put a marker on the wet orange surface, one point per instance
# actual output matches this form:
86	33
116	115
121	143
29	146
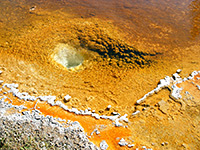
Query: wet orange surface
107	130
167	32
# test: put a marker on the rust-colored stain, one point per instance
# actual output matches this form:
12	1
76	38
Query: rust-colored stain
110	133
166	32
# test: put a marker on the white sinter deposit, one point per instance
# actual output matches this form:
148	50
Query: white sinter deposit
170	83
167	82
51	100
31	121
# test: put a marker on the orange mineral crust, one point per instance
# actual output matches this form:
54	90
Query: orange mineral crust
30	39
156	116
105	53
108	132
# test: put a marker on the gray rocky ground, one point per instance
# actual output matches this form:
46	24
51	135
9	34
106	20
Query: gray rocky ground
30	130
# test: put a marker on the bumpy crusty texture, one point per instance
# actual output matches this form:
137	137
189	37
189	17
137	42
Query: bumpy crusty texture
31	133
28	39
97	39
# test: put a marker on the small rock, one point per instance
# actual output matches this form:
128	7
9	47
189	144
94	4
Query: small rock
34	91
135	113
59	119
109	106
122	142
163	106
131	145
32	8
184	145
115	113
76	126
178	71
144	147
103	145
67	98
97	132
37	117
25	112
198	87
143	109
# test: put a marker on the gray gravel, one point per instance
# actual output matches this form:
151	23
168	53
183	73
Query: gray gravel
30	130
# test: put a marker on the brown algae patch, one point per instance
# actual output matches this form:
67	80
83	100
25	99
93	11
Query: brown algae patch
111	47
